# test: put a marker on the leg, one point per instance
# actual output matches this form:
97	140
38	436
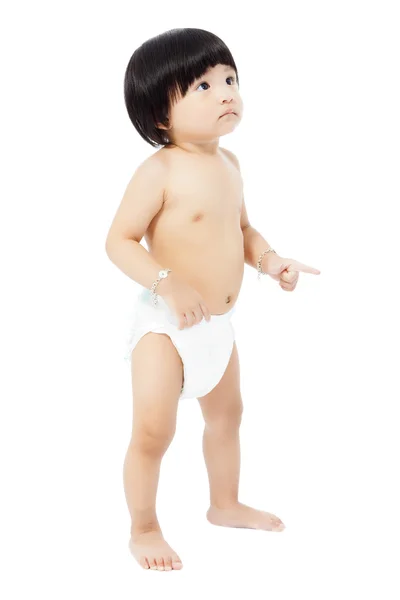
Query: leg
222	410
157	375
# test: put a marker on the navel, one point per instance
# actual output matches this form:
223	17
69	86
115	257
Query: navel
228	299
198	217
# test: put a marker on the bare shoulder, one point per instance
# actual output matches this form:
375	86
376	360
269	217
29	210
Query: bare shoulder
165	156
152	172
232	157
155	162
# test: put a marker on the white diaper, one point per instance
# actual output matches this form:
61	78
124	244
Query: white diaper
205	348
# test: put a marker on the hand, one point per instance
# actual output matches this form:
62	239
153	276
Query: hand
285	270
184	301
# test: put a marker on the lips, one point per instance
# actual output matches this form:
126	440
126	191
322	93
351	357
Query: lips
228	112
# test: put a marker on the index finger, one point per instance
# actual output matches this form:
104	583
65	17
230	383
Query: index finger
298	266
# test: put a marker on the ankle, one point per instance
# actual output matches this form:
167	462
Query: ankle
139	528
141	535
225	505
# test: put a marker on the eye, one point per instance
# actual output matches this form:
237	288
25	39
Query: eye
205	83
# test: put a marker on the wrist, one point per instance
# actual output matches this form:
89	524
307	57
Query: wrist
164	286
266	259
263	260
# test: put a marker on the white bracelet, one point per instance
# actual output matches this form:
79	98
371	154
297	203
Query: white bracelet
260	271
161	275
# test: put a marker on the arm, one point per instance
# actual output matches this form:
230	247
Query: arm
254	245
142	200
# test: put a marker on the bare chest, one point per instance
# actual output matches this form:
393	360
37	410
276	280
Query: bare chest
203	190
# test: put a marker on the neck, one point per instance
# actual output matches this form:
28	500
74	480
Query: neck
202	148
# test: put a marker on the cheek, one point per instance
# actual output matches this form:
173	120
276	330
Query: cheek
184	112
240	104
194	115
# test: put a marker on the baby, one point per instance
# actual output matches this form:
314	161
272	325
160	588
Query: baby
182	93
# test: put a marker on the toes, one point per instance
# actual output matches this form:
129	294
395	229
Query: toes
176	562
275	521
152	563
278	524
161	563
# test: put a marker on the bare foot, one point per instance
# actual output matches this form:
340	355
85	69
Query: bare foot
152	551
241	515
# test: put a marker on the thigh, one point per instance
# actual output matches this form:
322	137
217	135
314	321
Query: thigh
224	402
157	377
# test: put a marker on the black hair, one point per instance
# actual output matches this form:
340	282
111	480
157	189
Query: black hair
164	67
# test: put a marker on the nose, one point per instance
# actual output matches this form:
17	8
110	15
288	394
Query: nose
225	94
227	97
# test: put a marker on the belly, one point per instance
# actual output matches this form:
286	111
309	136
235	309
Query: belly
210	261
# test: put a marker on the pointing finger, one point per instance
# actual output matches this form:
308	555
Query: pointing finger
298	266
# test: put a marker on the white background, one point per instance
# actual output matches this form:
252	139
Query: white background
319	151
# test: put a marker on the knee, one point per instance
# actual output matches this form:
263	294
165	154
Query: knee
227	421
151	438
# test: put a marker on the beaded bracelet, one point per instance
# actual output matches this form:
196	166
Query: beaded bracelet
260	271
161	275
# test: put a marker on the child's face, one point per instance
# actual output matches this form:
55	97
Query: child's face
198	116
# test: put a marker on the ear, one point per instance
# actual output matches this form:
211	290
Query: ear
161	126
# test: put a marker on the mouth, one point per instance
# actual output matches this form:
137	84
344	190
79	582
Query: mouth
228	113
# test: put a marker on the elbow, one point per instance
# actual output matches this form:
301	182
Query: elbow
110	244
107	247
114	242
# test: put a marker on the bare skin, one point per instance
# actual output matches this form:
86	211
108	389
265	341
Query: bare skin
198	230
198	235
